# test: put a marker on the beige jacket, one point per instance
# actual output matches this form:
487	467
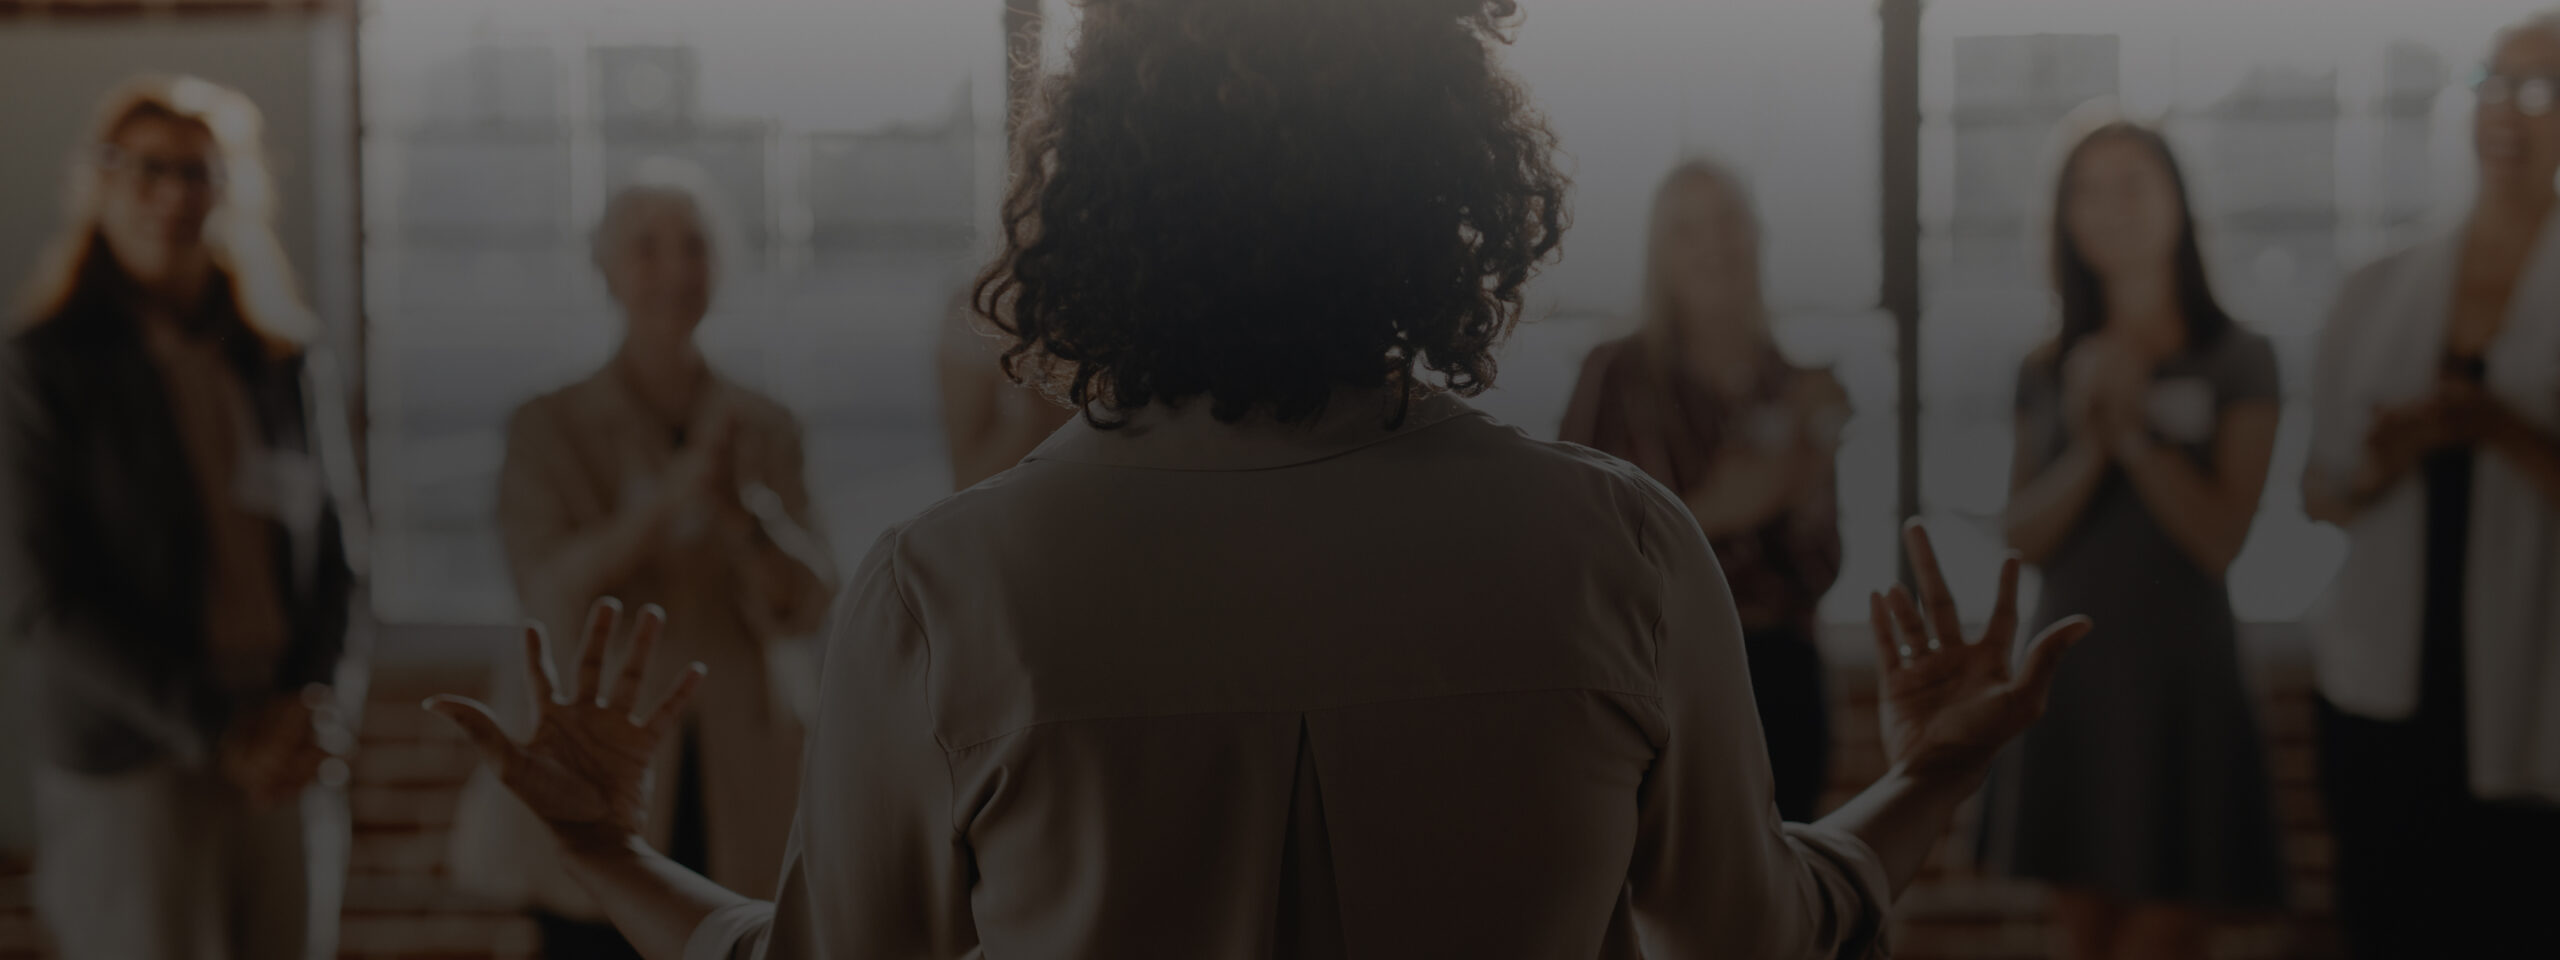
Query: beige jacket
1190	689
574	458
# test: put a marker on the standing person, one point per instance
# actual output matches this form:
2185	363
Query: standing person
2437	450
170	550
1701	399
1283	650
659	481
2143	437
989	422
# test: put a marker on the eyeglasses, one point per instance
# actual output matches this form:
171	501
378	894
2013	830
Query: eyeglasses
151	170
2531	96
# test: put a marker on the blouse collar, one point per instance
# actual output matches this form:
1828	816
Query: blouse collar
1190	437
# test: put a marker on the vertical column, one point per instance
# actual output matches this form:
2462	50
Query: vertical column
1899	109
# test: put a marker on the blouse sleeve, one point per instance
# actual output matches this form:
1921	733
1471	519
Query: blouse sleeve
884	871
1716	873
790	590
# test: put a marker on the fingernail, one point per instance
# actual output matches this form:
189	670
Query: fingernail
653	610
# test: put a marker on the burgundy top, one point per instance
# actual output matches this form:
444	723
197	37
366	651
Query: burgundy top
1673	426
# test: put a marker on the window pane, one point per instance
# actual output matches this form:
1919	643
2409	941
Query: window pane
2310	151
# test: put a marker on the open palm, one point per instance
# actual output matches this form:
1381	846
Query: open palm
585	769
1950	703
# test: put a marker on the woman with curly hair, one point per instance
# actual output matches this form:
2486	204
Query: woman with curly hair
1284	650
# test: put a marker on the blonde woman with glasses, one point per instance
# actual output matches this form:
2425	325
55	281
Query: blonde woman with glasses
2436	449
170	548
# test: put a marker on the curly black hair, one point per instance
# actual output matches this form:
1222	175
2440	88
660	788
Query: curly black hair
1262	201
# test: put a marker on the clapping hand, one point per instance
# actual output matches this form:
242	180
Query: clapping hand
2103	386
283	745
585	769
1949	704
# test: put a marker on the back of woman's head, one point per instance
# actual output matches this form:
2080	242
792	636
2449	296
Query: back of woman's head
239	232
1262	201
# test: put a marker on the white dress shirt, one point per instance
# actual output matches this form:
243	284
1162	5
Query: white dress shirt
1188	689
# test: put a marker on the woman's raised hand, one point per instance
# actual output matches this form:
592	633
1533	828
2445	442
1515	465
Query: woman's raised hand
585	769
1950	703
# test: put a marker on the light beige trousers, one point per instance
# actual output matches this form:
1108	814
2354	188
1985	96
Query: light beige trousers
165	864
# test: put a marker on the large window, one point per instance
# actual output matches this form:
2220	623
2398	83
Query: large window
2319	133
856	146
851	146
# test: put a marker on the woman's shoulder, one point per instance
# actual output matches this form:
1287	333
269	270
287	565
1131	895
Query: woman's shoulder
1545	475
554	406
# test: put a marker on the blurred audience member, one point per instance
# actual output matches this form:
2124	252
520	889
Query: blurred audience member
2144	433
989	421
2437	450
169	548
660	481
1701	399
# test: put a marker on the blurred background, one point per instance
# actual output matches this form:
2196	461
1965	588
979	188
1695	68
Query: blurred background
442	160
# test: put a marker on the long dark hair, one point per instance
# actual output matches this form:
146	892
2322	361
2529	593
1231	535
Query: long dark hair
2083	293
1259	201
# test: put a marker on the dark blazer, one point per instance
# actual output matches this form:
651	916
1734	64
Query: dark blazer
104	552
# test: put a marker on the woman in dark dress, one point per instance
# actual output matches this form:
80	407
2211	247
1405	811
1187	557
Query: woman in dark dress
1701	399
2144	435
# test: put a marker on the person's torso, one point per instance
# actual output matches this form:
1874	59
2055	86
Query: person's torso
1429	653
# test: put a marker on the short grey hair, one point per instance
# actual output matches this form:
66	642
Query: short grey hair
659	180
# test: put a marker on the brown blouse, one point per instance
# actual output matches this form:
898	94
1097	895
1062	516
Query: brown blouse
1674	427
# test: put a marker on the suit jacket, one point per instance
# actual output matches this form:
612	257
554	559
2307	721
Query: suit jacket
104	553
